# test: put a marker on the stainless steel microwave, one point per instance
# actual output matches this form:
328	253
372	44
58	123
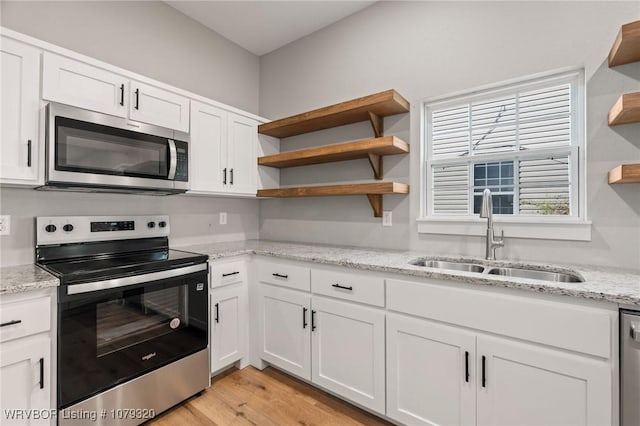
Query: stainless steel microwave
92	152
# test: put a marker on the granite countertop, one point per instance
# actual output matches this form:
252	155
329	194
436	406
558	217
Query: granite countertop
600	283
16	279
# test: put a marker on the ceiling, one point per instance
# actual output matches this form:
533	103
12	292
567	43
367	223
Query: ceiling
264	26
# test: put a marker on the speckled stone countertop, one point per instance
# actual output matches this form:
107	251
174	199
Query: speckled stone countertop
609	284
16	279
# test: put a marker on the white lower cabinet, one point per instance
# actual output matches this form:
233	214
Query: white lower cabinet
25	370
530	385
347	355
285	321
430	373
444	375
228	324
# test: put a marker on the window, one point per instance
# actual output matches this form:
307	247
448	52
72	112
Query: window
524	141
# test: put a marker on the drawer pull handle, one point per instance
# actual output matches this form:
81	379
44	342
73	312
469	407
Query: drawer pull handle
336	285
14	322
304	318
466	366
224	176
217	317
484	371
230	273
313	320
122	94
137	105
29	153
41	373
280	276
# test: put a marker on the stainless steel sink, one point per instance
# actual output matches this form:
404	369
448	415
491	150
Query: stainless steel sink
455	266
536	275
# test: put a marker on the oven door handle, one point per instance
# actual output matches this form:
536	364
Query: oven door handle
135	279
173	159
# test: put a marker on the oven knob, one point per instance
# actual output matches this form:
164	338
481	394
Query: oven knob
151	224
50	228
162	224
68	227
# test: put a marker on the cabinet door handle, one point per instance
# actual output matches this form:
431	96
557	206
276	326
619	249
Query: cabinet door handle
224	176
231	273
29	153
137	105
466	366
13	322
280	276
41	373
304	317
313	320
336	285
217	317
122	94
231	176
484	371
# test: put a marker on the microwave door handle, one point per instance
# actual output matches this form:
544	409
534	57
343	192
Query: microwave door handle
173	159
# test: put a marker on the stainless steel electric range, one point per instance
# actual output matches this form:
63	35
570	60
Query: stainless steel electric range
132	317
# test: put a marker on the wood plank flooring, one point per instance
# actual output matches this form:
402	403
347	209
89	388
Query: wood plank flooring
268	397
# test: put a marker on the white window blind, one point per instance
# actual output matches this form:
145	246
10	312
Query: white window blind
521	141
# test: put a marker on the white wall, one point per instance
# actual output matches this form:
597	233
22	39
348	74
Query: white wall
147	37
428	49
155	40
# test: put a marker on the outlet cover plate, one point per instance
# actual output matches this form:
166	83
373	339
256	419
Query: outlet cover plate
387	219
5	225
223	218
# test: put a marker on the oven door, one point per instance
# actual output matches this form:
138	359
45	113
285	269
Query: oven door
111	336
92	149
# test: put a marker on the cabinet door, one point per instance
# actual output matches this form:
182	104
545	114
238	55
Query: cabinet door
208	135
285	321
529	385
78	84
25	385
242	159
20	74
159	107
430	374
228	322
348	351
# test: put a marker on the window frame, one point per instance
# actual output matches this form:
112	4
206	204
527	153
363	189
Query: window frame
571	227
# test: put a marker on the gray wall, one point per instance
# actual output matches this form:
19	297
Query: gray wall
428	49
154	40
147	37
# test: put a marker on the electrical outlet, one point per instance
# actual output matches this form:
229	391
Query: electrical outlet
5	225
386	219
223	218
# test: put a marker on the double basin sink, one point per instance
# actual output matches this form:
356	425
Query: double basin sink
534	274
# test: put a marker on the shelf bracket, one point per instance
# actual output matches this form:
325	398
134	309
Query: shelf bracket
376	204
377	123
376	164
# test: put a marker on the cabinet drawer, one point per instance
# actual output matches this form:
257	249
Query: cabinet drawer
24	318
284	274
228	273
348	286
564	325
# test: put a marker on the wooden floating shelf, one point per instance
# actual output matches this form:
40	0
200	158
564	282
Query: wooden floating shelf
626	47
368	108
373	191
625	173
626	110
373	149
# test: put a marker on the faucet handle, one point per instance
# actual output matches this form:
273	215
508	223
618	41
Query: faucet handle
500	241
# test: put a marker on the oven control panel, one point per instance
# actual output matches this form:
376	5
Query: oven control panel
74	229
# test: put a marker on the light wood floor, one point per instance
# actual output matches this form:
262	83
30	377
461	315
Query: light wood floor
268	397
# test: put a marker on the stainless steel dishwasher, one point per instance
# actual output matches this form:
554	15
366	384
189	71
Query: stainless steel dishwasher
630	367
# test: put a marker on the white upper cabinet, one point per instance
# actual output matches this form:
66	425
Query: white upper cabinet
20	73
81	85
76	83
223	151
156	106
241	154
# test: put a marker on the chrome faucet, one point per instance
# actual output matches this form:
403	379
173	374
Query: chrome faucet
487	212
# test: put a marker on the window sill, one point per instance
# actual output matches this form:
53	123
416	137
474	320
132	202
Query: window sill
549	229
